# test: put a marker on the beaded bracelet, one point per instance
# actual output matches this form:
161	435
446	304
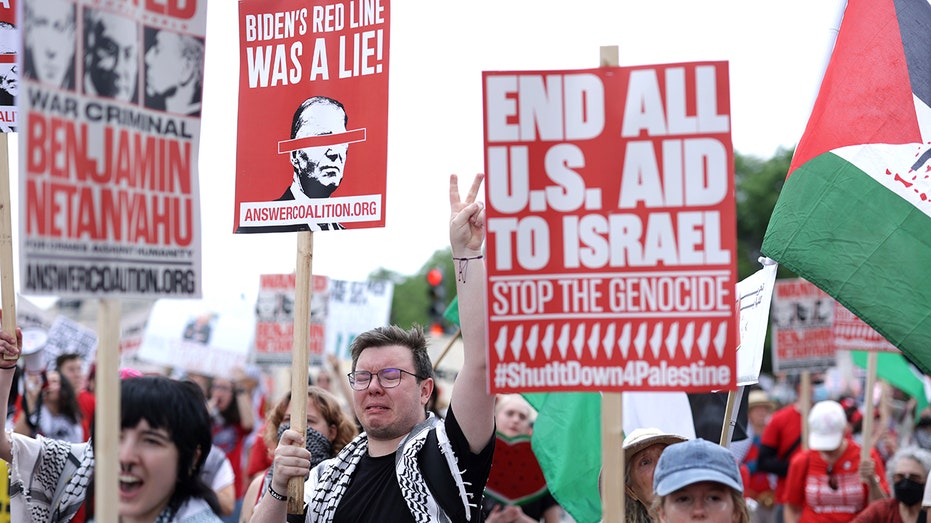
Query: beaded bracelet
463	264
276	495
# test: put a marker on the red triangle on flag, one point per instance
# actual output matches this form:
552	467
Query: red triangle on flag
857	104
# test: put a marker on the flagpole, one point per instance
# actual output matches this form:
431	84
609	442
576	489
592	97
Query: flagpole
734	397
449	345
871	359
804	397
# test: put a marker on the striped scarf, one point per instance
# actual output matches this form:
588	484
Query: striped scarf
48	478
329	481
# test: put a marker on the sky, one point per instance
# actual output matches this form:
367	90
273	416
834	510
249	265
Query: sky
776	51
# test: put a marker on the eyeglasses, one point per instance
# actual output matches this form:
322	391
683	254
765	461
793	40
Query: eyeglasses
832	479
387	378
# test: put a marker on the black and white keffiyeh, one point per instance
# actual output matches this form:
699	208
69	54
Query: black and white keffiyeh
49	478
329	481
317	444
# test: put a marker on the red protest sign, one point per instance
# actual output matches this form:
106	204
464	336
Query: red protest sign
802	327
611	224
852	333
809	327
274	325
313	115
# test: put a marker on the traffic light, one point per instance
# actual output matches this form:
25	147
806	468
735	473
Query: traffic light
436	305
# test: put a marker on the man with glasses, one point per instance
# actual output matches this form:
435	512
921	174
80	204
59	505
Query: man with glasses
407	465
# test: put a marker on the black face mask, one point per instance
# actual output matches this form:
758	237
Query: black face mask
908	492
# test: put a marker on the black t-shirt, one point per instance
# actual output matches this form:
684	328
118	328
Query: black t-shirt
374	495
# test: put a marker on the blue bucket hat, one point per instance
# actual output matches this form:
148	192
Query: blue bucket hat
693	461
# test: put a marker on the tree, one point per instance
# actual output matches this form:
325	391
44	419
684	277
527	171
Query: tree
411	303
758	183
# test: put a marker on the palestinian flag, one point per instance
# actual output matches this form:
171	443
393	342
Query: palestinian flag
898	372
854	216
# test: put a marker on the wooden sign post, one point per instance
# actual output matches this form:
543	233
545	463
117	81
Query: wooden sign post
303	289
7	289
868	405
108	410
612	410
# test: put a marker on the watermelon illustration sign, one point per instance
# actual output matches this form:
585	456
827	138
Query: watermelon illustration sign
611	229
516	477
312	148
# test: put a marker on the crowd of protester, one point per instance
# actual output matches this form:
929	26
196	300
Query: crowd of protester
782	479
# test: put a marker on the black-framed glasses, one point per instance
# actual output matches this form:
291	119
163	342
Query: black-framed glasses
387	378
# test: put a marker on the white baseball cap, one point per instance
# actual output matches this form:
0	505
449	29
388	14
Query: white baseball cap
827	425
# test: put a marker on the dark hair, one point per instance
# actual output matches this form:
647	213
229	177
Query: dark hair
413	339
61	359
180	408
230	414
68	400
298	120
67	403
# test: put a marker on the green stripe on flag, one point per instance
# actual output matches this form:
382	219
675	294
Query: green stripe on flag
895	369
452	311
856	240
567	443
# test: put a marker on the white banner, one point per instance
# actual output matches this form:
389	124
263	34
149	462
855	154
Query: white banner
199	336
754	295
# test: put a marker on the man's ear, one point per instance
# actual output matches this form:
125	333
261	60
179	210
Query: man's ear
426	390
294	159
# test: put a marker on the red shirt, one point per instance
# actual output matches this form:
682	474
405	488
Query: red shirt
758	482
88	403
880	511
809	485
781	433
260	457
231	438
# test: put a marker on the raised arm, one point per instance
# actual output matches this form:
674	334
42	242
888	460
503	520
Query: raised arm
243	399
11	348
473	405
